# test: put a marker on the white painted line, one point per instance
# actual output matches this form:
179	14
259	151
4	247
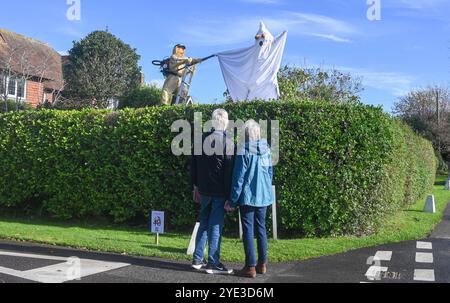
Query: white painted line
31	256
424	245
61	272
425	275
58	273
374	273
383	255
424	257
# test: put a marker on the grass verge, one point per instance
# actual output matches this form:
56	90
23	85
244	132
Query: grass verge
410	224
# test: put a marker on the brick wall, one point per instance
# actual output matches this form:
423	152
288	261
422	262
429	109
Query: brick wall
35	92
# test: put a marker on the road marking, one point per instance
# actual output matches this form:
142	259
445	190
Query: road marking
424	275
424	245
31	256
424	257
58	273
374	272
383	255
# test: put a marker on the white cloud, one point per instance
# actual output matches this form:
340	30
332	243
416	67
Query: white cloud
332	38
156	82
227	30
69	31
421	4
263	1
395	83
63	53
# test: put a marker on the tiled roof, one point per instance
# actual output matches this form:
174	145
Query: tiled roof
37	55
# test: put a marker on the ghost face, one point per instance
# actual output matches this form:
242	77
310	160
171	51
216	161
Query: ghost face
260	39
264	44
263	36
264	41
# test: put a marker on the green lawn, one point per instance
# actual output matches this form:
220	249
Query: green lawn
411	224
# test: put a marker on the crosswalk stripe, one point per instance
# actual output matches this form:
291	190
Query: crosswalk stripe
424	257
383	255
424	245
424	275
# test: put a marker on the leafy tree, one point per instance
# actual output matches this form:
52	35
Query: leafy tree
141	96
101	68
428	112
332	86
318	84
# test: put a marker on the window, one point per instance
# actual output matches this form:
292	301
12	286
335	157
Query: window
21	88
12	86
16	88
2	85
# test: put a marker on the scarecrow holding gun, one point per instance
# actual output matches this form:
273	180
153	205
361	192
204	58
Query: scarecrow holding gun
174	70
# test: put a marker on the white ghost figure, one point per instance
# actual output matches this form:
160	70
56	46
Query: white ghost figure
251	73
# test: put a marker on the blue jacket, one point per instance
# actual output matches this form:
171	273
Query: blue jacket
253	176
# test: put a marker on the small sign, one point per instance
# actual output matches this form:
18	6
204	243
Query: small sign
157	222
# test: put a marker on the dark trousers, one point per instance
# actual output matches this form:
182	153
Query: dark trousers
254	224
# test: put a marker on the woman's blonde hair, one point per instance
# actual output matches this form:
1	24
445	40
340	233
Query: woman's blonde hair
252	130
220	119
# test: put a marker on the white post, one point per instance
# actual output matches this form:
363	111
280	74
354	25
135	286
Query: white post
191	248
241	232
447	184
430	205
274	215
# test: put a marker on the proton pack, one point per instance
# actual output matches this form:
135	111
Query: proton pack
164	67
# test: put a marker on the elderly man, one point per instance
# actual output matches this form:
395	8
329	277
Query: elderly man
176	71
211	177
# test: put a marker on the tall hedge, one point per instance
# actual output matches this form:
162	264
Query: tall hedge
342	167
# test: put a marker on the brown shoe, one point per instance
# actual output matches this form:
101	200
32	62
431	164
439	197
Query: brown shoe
261	269
247	272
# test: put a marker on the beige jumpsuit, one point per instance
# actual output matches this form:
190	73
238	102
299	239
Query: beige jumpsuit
173	81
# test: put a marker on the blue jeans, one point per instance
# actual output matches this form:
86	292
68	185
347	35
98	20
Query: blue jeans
212	217
254	224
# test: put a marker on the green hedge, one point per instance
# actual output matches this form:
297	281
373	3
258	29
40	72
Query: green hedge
13	106
342	167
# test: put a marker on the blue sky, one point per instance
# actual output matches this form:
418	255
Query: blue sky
408	48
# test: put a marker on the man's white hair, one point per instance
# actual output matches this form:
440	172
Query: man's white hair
220	119
252	130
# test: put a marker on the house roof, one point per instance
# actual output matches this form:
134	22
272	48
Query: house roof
32	57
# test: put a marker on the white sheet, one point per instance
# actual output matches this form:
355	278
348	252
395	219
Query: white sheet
251	73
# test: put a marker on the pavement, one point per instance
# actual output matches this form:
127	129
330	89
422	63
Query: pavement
425	261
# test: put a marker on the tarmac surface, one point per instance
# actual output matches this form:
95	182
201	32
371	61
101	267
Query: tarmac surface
425	261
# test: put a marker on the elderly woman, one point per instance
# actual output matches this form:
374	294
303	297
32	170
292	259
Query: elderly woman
251	191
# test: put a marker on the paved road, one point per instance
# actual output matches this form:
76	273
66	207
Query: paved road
409	262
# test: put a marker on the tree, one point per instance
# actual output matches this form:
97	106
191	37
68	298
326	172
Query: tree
17	66
142	96
101	68
318	84
428	112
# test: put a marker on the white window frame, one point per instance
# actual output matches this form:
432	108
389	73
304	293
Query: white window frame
14	97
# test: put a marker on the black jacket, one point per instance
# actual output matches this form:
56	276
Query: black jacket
212	171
